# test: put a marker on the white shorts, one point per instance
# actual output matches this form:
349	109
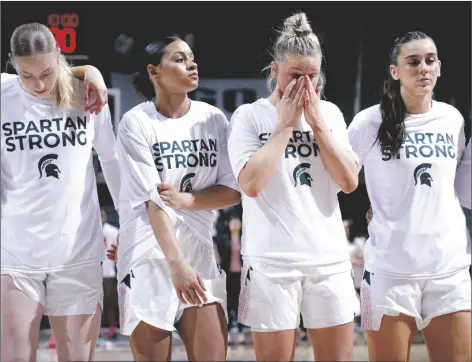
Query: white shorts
274	301
422	299
74	291
147	293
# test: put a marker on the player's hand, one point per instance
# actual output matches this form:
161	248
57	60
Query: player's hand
311	103
94	85
290	104
173	198
187	283
112	253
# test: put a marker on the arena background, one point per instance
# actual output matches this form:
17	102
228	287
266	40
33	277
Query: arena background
230	42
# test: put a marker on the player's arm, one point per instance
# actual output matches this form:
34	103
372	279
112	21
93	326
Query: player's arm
94	83
253	163
104	143
226	191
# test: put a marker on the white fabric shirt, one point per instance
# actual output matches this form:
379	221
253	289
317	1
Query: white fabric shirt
418	228
50	214
295	222
189	153
110	234
463	179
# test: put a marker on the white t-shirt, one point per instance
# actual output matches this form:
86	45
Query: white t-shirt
50	214
110	234
295	222
463	179
189	153
418	228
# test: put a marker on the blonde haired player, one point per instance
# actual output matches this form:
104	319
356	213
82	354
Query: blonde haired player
291	156
52	242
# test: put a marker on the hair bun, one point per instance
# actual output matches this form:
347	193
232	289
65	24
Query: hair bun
297	25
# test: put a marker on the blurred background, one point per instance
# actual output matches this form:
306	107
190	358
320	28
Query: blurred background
230	41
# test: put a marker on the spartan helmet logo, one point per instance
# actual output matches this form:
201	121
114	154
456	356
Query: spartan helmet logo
185	185
300	173
421	173
47	166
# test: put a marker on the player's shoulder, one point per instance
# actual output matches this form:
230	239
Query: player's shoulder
369	117
250	112
9	83
447	110
330	107
139	113
207	111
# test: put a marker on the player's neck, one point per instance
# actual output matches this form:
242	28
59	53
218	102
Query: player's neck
415	104
173	105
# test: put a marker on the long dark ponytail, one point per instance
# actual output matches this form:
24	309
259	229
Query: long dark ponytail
392	129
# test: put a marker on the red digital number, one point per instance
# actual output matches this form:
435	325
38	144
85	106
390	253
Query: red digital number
66	39
64	20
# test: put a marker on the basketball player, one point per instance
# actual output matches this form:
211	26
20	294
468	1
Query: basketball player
291	155
175	171
52	243
416	259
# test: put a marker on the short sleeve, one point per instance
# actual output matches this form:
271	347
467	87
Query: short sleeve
225	176
7	77
361	137
139	176
461	145
339	127
243	140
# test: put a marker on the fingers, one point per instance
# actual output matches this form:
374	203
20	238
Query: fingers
289	88
96	107
199	288
103	95
195	298
163	187
86	96
190	296
111	256
200	281
165	197
181	297
112	253
100	102
299	95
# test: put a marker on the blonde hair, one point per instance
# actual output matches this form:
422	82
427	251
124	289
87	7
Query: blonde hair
33	39
296	37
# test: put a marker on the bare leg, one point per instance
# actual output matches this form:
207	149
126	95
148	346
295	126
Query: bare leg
274	346
448	337
110	300
149	343
204	332
392	342
20	322
333	343
76	336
